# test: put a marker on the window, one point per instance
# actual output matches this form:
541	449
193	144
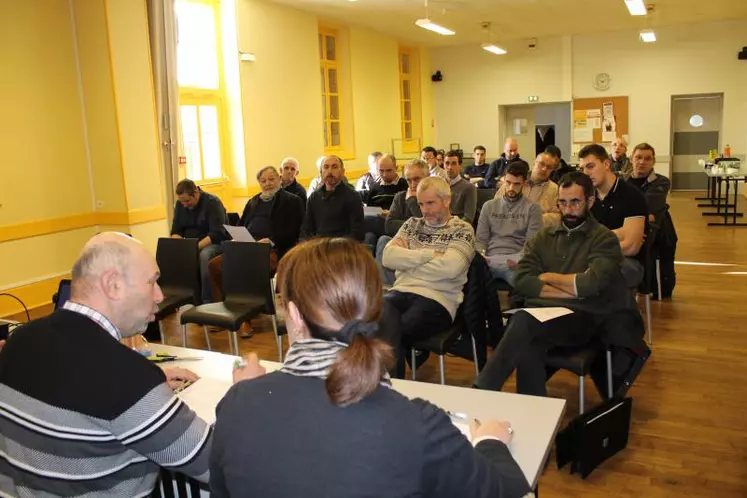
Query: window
331	99
409	92
201	87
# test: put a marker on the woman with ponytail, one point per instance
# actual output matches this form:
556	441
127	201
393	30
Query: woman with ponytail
328	424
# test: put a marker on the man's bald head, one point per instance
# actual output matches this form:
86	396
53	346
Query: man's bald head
117	276
511	148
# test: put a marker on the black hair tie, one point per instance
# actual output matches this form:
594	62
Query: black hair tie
356	327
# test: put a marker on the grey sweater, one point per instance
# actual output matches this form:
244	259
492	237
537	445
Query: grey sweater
400	211
505	227
463	199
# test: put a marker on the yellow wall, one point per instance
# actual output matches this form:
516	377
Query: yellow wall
80	80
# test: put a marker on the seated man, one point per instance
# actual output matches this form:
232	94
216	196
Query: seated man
541	190
431	256
655	187
429	155
463	193
333	210
560	168
619	206
476	173
506	224
619	162
404	206
84	415
497	168
381	194
317	182
368	180
576	265
288	172
200	215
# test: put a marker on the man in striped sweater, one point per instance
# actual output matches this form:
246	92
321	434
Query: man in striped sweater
431	256
83	415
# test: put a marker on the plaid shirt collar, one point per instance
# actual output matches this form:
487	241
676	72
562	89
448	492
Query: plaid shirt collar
94	315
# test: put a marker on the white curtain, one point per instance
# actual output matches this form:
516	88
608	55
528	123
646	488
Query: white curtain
163	38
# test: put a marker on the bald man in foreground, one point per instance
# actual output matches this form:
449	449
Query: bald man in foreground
82	414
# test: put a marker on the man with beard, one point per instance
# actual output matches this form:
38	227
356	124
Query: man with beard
333	209
84	414
575	265
431	256
506	224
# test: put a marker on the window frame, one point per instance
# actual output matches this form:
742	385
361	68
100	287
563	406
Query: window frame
413	144
325	66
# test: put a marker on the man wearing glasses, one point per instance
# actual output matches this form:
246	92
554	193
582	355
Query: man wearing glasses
575	265
404	206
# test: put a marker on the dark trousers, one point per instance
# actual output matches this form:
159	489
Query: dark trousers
415	317
524	346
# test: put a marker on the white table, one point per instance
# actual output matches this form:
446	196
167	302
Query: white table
534	419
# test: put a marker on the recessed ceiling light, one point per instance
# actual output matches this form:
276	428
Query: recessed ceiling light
636	7
648	36
432	26
490	47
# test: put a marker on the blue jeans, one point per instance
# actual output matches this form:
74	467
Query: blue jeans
504	273
387	274
206	254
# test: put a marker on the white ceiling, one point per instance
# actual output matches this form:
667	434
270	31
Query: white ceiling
512	19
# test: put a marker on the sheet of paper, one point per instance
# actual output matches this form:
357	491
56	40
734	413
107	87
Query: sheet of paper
542	314
594	123
239	234
583	134
203	396
608	136
371	210
608	110
594	113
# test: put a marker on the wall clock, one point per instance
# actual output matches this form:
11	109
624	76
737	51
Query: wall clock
602	81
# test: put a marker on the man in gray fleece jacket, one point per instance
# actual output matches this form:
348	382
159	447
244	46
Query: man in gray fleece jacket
506	224
463	193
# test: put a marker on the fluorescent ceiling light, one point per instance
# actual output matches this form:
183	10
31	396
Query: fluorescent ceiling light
431	26
648	36
494	49
636	7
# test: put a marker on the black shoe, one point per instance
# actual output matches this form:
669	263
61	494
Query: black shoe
421	356
621	383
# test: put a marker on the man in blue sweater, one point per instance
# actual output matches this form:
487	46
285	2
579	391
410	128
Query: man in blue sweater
83	415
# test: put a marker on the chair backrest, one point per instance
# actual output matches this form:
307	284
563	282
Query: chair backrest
647	259
246	273
234	219
179	263
484	195
63	293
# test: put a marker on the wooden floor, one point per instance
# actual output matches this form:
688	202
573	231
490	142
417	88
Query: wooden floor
688	434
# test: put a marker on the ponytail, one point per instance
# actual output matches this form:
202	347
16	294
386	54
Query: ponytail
358	370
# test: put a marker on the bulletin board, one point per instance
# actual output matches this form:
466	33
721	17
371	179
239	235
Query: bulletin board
598	120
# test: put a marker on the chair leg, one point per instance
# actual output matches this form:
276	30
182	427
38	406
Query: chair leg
233	339
278	339
474	356
581	394
647	302
163	335
442	368
412	365
609	373
184	335
207	337
658	279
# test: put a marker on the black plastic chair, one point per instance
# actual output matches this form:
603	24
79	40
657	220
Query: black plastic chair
234	219
579	360
179	263
646	287
247	290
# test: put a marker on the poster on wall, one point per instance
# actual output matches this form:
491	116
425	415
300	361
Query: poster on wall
609	127
582	132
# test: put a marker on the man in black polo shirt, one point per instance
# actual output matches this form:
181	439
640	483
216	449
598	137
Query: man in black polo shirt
200	215
619	206
333	210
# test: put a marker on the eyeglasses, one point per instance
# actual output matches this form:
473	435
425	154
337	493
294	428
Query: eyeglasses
574	203
414	179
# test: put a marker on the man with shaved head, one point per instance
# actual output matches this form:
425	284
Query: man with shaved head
497	168
83	414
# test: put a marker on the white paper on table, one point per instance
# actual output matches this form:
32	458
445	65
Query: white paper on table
583	134
203	396
239	234
372	210
542	314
